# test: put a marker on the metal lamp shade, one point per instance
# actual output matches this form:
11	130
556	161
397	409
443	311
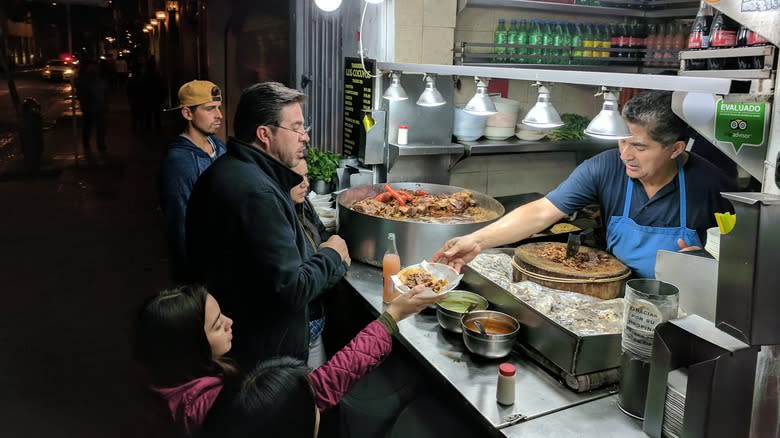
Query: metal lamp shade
609	124
431	96
481	104
542	116
395	91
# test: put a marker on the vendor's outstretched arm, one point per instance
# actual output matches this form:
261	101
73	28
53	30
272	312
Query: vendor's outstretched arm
516	225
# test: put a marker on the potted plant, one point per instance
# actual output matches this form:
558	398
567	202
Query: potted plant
322	169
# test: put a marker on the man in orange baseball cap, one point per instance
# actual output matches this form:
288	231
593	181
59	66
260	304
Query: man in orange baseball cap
188	155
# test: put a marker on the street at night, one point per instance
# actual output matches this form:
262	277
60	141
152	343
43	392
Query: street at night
54	98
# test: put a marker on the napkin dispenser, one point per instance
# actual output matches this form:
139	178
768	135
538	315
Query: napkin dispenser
747	273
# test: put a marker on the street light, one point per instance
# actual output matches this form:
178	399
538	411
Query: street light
161	15
154	22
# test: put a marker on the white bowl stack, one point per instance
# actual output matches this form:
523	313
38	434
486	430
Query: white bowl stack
324	208
501	125
468	127
528	133
713	242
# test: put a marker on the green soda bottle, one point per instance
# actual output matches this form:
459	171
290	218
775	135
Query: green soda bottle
558	36
499	39
547	41
565	44
576	42
535	40
522	38
511	38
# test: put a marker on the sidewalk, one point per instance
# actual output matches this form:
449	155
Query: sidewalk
81	248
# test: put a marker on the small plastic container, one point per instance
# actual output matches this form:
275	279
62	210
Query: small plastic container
505	389
403	134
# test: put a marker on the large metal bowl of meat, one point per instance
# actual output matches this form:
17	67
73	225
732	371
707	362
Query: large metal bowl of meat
431	215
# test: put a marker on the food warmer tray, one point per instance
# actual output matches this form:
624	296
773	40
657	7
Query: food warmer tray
572	353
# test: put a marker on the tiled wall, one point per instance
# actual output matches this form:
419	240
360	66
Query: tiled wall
501	175
424	31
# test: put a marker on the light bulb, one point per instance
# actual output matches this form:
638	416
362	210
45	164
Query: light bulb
328	5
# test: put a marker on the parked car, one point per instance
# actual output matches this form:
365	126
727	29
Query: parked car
58	70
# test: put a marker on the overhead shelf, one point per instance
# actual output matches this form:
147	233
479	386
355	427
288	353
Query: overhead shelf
513	145
763	17
761	80
618	60
619	80
687	9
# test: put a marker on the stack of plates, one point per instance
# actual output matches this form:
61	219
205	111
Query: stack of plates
674	411
713	242
638	342
323	206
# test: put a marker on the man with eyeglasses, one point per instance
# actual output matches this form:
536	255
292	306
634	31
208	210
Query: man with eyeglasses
244	237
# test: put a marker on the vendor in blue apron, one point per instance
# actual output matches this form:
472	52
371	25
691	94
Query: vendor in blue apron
653	194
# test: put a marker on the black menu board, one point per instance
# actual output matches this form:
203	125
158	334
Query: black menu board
357	97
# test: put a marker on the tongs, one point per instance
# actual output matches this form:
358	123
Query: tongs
574	241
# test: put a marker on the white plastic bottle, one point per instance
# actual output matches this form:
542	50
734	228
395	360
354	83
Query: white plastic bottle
403	134
505	389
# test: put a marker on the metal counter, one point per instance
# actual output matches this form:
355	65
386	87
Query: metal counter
544	407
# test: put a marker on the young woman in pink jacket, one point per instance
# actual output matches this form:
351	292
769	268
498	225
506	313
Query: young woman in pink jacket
182	337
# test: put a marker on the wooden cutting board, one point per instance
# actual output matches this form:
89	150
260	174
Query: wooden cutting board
528	257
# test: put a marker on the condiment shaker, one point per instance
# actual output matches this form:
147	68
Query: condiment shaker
505	389
403	134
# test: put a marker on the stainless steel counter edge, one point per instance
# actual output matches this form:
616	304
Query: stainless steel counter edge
551	408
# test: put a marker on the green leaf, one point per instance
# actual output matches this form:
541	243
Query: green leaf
322	165
573	128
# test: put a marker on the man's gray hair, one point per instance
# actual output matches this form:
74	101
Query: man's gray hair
653	111
261	104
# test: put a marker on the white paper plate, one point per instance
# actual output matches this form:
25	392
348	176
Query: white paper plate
439	271
326	212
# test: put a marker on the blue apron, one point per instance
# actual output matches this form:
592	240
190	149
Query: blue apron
637	245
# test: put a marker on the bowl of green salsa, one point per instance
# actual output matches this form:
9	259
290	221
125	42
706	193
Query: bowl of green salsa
450	310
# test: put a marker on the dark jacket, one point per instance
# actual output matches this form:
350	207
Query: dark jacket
183	164
315	234
245	241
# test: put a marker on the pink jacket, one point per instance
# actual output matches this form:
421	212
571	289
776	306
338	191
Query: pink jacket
190	402
338	375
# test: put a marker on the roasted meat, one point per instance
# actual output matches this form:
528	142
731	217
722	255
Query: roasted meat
416	276
582	260
424	207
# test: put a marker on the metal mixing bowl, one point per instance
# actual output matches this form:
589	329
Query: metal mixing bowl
489	345
366	235
450	310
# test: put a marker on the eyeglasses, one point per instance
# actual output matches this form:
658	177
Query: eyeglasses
303	132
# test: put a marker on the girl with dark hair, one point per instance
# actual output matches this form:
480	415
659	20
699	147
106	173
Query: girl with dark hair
276	398
281	397
181	336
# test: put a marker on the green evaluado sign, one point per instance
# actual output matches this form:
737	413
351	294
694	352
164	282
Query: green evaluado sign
740	123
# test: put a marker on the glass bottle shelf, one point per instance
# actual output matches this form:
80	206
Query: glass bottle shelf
631	8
